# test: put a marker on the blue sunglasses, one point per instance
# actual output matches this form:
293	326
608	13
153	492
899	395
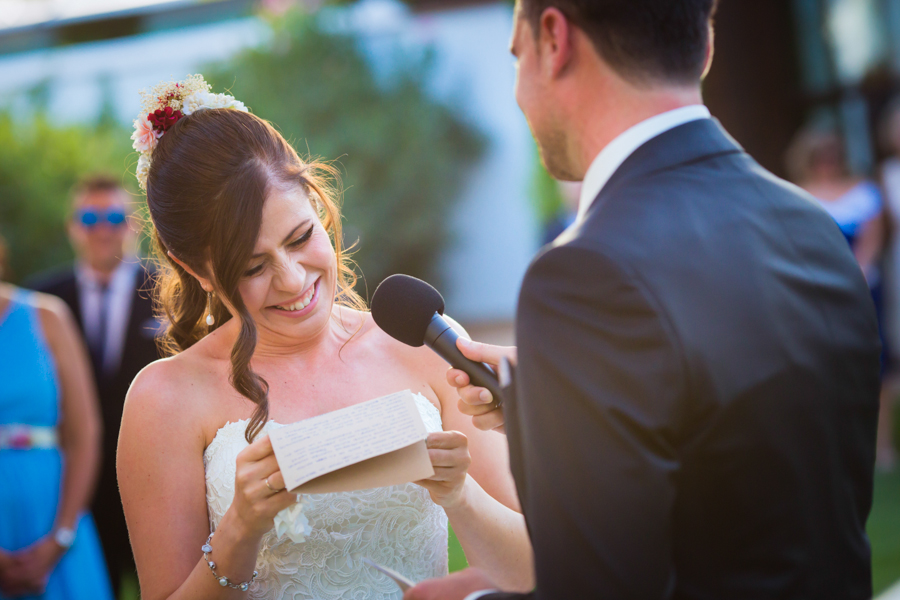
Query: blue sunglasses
91	218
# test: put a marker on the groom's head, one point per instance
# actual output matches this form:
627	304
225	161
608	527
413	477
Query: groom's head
573	53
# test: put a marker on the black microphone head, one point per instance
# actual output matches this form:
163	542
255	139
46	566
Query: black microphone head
403	307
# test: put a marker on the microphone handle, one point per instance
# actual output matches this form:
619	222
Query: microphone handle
441	337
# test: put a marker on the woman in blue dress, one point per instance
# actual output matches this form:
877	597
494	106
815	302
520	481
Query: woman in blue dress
49	454
818	164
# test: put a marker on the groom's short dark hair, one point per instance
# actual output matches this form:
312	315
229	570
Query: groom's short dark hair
662	40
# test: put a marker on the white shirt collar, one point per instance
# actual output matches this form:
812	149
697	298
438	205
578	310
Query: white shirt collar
85	274
119	295
617	151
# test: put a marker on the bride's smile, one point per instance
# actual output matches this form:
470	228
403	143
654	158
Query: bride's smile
289	283
298	306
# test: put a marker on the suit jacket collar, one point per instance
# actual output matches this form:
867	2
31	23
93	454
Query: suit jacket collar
618	150
69	293
682	145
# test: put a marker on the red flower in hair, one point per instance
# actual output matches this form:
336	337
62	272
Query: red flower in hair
164	118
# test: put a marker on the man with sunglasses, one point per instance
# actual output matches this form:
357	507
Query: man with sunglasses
108	289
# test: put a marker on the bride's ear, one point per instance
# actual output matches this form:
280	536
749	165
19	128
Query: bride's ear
205	283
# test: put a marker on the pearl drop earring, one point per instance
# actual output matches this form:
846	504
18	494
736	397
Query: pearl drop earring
210	320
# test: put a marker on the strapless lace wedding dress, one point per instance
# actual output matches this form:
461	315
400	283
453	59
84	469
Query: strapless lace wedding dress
398	527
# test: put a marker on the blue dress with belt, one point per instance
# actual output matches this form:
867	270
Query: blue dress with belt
31	465
852	212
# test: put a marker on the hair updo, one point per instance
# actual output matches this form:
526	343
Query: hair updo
208	182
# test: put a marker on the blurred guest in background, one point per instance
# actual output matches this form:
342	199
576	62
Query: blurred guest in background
817	162
49	453
890	174
108	290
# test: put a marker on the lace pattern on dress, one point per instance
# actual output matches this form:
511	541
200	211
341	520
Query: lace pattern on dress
398	527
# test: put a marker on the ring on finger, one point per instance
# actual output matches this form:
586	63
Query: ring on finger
271	489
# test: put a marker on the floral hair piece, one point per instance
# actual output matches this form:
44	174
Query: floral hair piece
163	106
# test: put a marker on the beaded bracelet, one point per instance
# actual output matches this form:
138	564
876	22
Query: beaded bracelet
224	581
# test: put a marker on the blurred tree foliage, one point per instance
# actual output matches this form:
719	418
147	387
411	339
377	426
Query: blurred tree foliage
546	195
404	156
39	165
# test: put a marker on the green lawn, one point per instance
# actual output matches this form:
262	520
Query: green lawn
457	556
130	589
884	531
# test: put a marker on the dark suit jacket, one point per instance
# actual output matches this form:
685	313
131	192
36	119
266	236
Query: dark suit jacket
138	351
697	389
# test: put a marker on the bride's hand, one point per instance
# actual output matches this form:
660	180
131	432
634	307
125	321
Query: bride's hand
449	453
259	492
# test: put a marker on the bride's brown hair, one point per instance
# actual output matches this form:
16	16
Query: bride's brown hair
210	176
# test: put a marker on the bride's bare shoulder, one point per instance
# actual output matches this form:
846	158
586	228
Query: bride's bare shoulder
158	378
362	328
362	332
171	386
350	320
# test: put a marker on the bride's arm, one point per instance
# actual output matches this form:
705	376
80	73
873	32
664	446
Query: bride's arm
163	487
486	515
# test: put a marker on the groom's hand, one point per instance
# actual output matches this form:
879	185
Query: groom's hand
475	401
453	587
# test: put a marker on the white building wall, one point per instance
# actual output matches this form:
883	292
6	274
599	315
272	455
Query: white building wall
495	232
78	76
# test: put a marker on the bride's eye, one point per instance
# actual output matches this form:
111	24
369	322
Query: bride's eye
303	238
253	271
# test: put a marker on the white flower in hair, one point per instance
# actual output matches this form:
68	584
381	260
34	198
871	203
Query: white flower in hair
143	170
166	104
201	100
144	136
170	93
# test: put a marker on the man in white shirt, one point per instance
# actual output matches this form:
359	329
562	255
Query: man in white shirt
693	413
109	291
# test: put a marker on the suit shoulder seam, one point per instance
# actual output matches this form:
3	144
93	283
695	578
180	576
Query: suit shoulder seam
633	277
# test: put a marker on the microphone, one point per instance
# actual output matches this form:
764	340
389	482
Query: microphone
412	311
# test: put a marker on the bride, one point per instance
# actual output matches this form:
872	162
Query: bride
265	330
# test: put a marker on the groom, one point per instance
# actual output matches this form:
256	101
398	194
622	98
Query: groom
698	353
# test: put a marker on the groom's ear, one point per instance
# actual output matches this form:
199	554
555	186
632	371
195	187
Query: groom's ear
555	42
710	51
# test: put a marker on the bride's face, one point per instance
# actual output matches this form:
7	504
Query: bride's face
289	283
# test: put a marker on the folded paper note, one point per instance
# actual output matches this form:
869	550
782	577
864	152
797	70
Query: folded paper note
378	443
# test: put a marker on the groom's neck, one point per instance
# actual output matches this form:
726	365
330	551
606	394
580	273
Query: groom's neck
595	104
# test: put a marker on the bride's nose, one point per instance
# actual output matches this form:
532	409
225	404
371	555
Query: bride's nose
290	276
